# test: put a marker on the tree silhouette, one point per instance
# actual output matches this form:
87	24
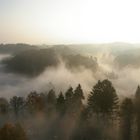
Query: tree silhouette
103	98
65	117
127	110
137	105
60	103
35	102
69	93
33	62
78	96
51	102
69	100
12	132
17	104
78	93
4	105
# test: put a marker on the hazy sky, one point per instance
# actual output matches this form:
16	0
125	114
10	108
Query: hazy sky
69	21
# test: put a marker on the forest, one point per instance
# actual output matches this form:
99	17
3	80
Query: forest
69	92
69	70
71	115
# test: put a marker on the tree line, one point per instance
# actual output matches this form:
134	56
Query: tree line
71	116
35	61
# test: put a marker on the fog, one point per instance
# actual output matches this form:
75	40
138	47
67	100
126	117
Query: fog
60	78
125	80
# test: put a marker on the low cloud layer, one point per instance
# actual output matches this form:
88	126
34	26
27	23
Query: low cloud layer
125	80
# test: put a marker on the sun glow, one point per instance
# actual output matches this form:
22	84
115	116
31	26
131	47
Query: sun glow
70	21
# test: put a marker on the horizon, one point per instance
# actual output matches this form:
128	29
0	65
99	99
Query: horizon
53	44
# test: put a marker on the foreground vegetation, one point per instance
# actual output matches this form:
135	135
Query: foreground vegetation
70	116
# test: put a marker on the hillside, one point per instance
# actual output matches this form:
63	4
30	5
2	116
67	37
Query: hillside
34	62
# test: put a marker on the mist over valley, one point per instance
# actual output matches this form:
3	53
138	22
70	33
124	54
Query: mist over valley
25	68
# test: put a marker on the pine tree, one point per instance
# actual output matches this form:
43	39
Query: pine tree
51	102
137	105
78	93
51	97
78	96
60	103
69	100
137	94
69	93
127	110
103	98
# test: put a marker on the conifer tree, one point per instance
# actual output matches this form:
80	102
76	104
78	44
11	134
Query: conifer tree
103	98
78	96
60	103
69	100
127	110
51	102
137	109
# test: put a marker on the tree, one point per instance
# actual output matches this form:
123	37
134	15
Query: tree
78	93
103	101
4	105
17	104
137	109
51	97
69	93
69	99
137	100
60	103
12	132
78	96
51	102
35	102
32	62
103	98
127	110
